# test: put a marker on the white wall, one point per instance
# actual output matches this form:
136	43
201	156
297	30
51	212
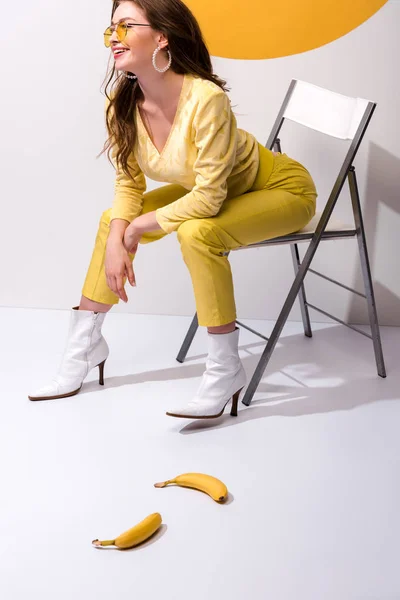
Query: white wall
54	189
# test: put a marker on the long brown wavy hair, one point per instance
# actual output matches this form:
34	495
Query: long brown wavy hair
189	55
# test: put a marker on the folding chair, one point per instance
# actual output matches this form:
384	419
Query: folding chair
341	117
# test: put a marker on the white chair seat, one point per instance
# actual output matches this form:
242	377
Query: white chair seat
335	229
333	225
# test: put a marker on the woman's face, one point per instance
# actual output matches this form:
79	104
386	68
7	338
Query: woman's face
140	42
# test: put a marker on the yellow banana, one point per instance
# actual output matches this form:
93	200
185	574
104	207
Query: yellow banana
199	481
136	535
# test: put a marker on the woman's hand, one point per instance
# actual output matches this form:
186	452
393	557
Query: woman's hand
122	241
139	226
118	267
131	238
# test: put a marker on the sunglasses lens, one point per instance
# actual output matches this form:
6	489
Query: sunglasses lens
107	37
122	30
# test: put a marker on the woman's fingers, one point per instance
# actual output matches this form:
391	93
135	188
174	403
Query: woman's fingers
109	282
130	273
116	285
119	283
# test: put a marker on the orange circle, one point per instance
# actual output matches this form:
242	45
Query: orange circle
257	29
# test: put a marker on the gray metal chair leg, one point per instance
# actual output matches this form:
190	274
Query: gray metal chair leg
290	299
366	272
302	293
187	342
283	315
296	264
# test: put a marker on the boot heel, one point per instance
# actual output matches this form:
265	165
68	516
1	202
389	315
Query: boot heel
101	372
235	400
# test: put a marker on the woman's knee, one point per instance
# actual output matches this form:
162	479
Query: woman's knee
200	230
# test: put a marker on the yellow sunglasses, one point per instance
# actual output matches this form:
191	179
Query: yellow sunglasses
122	31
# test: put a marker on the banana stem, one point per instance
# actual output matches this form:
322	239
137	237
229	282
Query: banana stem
104	543
164	483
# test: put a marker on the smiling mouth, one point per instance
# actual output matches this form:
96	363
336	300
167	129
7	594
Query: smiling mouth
120	52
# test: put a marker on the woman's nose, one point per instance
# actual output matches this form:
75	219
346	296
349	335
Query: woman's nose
114	37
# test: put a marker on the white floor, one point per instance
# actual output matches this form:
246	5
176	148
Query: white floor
312	466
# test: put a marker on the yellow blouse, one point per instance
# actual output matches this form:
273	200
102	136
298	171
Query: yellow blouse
205	153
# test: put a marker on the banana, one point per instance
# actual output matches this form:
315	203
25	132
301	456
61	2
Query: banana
136	535
199	481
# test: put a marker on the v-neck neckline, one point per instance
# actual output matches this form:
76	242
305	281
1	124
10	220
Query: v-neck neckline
178	110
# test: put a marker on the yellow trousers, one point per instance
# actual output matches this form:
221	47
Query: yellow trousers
281	205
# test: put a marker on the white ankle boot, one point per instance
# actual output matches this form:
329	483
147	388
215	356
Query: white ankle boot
86	348
222	381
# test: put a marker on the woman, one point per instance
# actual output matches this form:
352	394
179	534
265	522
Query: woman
169	118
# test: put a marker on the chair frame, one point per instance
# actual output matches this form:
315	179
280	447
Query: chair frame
301	268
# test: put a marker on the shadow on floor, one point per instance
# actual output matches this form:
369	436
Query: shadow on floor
333	371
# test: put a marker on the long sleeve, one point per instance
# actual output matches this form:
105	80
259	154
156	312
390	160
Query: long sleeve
128	193
215	136
128	197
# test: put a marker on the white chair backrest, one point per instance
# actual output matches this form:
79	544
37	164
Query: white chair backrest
325	111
